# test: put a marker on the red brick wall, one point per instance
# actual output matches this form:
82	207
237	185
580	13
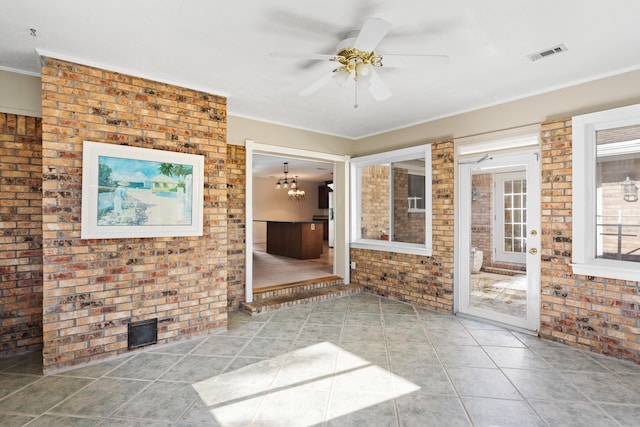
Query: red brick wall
482	216
375	191
420	280
236	230
21	235
592	313
408	226
94	288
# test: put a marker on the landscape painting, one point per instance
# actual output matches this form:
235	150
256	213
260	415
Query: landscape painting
135	192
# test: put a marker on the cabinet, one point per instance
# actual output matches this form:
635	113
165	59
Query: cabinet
323	196
301	240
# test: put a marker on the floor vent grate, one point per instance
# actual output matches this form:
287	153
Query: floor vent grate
143	333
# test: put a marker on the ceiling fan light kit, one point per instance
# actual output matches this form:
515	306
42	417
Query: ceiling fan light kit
357	60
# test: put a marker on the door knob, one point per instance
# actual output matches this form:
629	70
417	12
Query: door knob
533	251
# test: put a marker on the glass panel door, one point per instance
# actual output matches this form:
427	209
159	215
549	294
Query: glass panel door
498	263
510	220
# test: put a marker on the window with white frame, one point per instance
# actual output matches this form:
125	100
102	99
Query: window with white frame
417	196
391	201
606	209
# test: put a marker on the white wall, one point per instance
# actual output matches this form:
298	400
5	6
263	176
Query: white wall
270	204
20	94
602	94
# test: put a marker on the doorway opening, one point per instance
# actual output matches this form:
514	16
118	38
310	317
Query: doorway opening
320	217
273	206
498	236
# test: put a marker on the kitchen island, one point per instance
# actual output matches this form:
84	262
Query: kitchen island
299	239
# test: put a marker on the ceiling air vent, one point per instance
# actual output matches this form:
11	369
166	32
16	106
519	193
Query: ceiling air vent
547	52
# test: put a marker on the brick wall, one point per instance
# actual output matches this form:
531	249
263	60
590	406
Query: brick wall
236	230
408	226
482	216
94	288
592	313
420	280
21	235
375	211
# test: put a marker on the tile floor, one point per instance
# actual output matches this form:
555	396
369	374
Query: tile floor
354	361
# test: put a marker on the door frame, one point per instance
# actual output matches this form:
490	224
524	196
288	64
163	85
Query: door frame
530	159
341	208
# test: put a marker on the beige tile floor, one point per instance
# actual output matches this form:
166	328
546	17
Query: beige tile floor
355	361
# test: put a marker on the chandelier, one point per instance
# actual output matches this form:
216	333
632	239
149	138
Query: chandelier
295	193
285	182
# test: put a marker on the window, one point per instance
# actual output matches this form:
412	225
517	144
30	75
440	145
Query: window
391	199
511	217
606	210
416	198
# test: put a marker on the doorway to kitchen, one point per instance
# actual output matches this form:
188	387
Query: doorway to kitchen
292	220
283	212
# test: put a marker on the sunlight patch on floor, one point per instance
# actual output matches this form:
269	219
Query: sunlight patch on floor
301	388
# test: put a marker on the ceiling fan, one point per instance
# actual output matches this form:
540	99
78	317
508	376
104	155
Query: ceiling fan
356	59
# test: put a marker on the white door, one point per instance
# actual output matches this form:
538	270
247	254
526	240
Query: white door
498	239
510	217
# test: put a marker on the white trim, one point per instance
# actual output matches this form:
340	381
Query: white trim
341	209
610	269
584	128
411	153
18	71
498	161
397	247
20	111
522	137
248	229
296	152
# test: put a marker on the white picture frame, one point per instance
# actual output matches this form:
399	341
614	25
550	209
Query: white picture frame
139	192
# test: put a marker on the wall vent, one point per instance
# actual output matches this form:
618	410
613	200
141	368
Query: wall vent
143	333
547	52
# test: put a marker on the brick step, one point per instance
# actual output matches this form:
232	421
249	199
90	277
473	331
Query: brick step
504	271
303	295
296	287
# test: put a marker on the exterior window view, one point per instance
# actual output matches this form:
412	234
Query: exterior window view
617	207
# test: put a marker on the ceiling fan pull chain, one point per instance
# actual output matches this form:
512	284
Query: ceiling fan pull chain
356	102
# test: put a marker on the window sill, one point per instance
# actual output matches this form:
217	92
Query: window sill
608	269
396	247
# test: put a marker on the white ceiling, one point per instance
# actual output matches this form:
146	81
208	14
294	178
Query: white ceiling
306	171
223	47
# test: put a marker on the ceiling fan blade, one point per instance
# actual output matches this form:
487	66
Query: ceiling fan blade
372	33
301	55
313	87
420	62
378	88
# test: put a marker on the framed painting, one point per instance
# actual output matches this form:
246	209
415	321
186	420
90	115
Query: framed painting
139	192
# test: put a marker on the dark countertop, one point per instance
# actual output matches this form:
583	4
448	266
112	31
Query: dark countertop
289	222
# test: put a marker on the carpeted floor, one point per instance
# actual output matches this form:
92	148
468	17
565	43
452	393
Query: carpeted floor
271	270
